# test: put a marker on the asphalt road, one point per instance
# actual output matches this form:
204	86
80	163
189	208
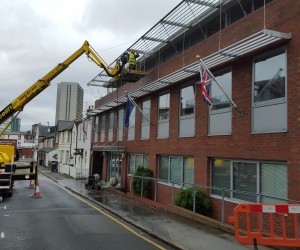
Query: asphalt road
59	220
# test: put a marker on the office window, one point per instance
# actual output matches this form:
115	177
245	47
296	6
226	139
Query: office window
145	133
111	120
220	176
250	181
221	113
176	169
240	10
137	160
111	126
103	121
213	26
274	182
163	115
146	105
269	77
164	107
96	129
269	105
187	101
120	124
131	127
260	3
187	111
219	99
245	180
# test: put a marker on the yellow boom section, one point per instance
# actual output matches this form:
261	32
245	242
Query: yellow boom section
19	103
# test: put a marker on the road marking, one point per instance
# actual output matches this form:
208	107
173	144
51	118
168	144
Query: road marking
115	220
2	235
3	207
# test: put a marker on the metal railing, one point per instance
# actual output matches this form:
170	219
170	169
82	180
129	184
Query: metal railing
223	194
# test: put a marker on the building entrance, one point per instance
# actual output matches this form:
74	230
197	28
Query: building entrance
114	165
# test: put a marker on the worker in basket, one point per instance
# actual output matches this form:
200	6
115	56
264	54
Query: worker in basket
132	59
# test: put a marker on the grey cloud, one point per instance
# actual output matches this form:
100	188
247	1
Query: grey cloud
32	44
124	18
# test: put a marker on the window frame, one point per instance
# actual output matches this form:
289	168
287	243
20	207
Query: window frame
120	123
131	126
103	128
111	120
182	170
259	195
280	103
96	129
184	86
111	123
163	125
266	56
144	121
158	107
135	155
217	74
224	114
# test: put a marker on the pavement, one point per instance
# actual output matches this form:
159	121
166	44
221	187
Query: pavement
176	231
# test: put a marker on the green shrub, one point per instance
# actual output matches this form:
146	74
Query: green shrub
137	182
185	199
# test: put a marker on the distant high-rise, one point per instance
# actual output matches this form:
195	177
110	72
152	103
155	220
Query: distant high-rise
2	126
69	102
16	125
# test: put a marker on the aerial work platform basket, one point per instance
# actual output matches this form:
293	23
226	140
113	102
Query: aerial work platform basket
267	224
131	75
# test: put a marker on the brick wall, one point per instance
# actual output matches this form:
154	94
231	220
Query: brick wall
281	16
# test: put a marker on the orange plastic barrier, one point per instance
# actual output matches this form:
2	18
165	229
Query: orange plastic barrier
266	224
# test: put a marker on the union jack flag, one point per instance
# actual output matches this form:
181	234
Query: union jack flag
205	81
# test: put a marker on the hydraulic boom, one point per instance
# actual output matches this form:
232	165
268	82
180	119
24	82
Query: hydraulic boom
18	104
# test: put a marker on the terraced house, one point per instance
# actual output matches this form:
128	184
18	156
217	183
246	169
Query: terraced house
247	153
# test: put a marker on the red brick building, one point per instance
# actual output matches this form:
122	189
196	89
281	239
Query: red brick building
253	52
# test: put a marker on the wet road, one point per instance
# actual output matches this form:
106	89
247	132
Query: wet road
59	220
179	232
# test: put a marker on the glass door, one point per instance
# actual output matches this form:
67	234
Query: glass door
114	165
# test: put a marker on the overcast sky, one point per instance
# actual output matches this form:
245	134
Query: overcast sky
36	35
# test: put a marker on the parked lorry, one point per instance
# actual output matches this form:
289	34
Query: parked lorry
7	155
10	142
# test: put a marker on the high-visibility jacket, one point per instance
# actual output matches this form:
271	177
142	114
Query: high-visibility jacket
132	59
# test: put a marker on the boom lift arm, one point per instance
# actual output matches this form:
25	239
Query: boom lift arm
18	104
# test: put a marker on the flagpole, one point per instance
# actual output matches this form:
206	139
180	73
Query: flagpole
240	111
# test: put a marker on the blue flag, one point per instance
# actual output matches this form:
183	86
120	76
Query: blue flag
129	108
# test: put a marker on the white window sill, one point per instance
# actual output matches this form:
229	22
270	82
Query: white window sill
233	200
169	184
